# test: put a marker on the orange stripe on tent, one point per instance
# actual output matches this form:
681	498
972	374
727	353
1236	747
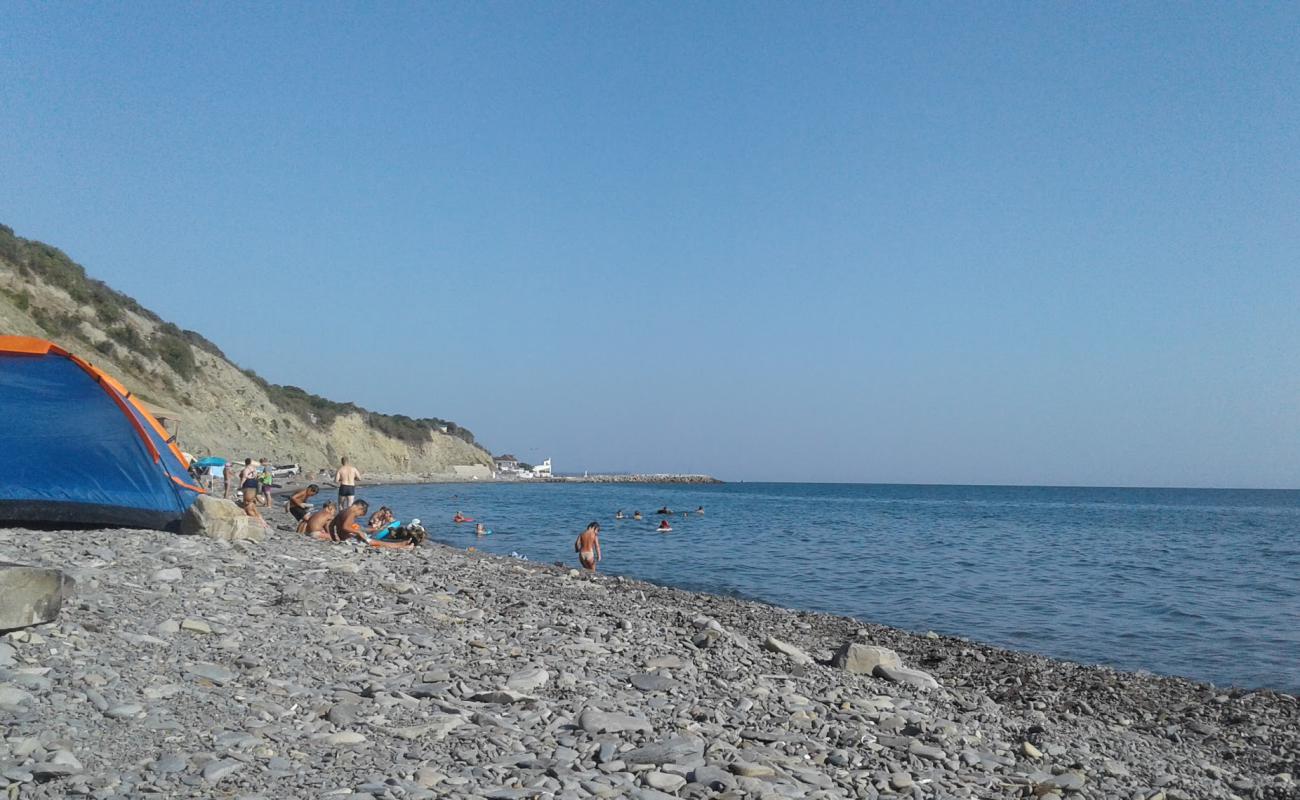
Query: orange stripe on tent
198	489
162	432
28	345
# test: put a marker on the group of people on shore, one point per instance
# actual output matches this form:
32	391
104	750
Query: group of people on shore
341	520
345	519
332	524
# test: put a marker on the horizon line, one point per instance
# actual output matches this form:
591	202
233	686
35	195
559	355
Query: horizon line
967	485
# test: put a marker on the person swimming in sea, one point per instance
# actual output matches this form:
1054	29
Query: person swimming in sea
665	510
699	510
460	518
636	515
480	530
618	514
587	547
664	526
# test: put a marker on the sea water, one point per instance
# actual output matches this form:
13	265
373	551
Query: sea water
1199	583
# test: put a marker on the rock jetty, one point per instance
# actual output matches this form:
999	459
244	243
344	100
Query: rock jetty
184	666
658	477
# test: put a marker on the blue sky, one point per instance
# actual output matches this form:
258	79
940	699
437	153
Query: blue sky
991	243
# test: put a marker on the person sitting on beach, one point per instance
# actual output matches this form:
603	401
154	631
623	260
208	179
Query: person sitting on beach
386	528
345	526
317	524
380	519
410	535
664	526
618	514
587	547
298	505
636	515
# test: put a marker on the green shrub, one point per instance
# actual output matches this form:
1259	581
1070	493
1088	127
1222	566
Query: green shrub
413	432
54	266
105	347
177	354
199	341
130	338
11	247
106	302
55	323
21	299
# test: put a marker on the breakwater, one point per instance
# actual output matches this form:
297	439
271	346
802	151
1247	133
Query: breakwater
656	477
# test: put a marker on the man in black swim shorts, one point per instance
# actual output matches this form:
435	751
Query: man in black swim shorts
298	502
347	477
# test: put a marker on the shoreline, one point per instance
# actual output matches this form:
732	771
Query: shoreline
433	479
456	539
472	675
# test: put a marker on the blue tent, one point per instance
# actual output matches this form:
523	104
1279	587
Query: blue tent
77	448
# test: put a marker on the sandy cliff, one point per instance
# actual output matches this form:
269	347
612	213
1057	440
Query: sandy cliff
221	409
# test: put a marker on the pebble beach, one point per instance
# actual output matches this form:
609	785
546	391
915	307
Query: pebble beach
185	666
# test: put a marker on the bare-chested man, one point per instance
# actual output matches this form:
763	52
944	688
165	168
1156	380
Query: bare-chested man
588	547
347	477
317	524
298	502
346	526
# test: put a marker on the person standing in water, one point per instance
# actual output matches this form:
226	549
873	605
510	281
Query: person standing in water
588	547
347	478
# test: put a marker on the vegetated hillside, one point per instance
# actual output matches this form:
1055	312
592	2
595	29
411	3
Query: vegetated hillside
222	409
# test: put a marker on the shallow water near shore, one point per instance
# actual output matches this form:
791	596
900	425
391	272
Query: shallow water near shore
1199	583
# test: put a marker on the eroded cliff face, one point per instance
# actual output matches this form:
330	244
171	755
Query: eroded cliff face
220	410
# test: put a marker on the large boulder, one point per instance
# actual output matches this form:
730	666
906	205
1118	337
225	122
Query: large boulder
221	519
30	595
864	658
